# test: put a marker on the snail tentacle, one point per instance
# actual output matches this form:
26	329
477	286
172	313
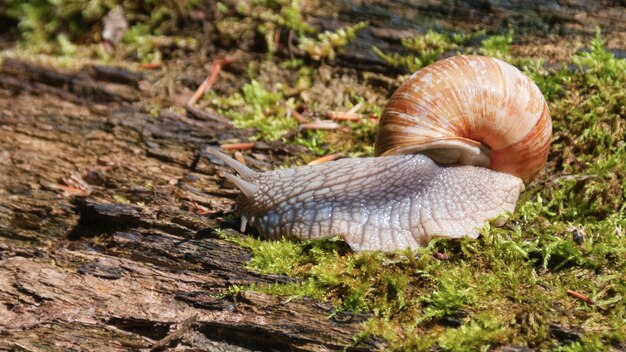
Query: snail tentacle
245	172
248	189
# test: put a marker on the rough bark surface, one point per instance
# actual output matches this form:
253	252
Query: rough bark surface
101	241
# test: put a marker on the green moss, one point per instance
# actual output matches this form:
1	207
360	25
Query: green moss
429	47
271	257
315	141
479	335
259	108
119	199
55	26
66	47
497	46
432	45
40	21
329	43
273	13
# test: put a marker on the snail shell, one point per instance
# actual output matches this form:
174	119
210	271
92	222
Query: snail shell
455	143
469	110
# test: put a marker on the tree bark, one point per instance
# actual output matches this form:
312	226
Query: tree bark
101	241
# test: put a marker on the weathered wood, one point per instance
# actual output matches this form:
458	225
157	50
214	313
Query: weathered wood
206	115
101	241
82	84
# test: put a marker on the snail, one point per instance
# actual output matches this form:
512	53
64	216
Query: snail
455	146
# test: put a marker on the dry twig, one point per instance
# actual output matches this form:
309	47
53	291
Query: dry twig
151	65
326	158
343	116
239	157
350	115
296	115
580	297
237	146
210	80
320	125
176	335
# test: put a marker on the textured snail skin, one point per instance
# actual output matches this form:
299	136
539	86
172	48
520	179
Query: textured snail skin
383	203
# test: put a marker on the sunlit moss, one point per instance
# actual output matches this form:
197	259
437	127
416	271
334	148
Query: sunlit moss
497	46
428	48
327	44
258	108
54	27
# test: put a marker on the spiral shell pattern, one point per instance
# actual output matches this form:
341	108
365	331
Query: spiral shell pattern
469	110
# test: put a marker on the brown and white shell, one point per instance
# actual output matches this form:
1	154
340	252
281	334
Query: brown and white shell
470	110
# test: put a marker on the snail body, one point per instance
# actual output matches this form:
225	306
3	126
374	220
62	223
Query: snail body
471	164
